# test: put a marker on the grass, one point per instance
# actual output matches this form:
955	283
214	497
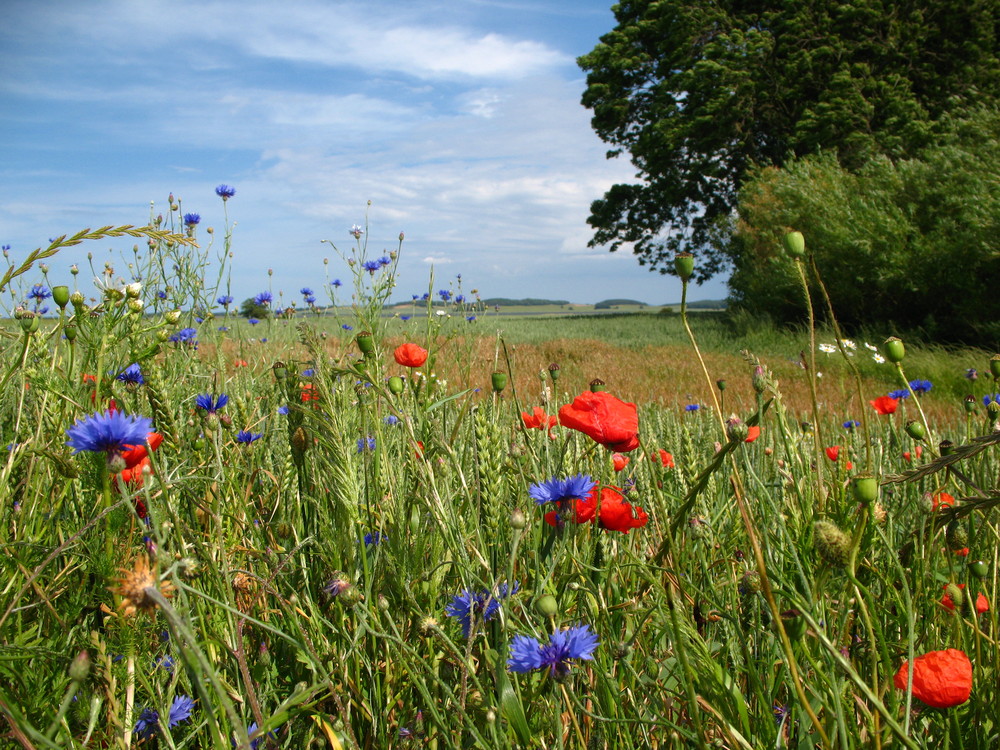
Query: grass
300	589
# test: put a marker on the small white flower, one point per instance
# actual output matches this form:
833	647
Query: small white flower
848	344
870	347
827	348
819	374
878	358
440	313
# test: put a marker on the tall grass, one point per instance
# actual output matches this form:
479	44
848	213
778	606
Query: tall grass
296	587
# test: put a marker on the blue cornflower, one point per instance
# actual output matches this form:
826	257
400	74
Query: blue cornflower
223	328
445	294
972	373
371	266
367	443
850	424
192	219
405	318
391	419
42	310
184	336
459	299
527	654
210	403
310	300
374	539
39	292
282	410
161	294
692	407
180	710
356	231
131	375
416	297
384	260
425	296
335	282
225	192
225	300
264	298
556	490
471	318
255	743
308	373
147	723
198	319
920	386
246	437
468	604
166	661
253	321
110	432
306	291
902	393
347	327
988	397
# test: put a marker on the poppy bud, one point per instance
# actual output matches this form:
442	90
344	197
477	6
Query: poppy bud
979	569
956	595
956	536
995	366
597	386
915	429
795	244
70	332
893	350
499	381
80	667
60	295
865	488
832	544
554	372
684	265
300	440
396	385
365	342
547	605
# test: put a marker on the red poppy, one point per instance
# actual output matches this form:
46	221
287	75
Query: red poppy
666	459
982	603
410	355
309	392
833	452
418	452
538	419
942	500
885	405
136	459
619	461
614	513
964	552
916	452
240	363
752	434
941	679
604	419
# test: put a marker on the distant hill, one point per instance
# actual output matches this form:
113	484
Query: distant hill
529	302
609	304
705	304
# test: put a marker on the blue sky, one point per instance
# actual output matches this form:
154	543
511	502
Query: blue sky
460	121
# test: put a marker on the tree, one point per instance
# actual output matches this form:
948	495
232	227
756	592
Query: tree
251	308
699	91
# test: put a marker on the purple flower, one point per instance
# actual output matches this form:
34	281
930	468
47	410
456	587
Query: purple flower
210	403
850	424
385	260
371	266
39	292
366	444
405	318
225	192
110	432
356	231
901	393
131	375
282	410
253	321
184	336
988	397
192	219
246	437
556	490
225	300
374	539
920	386
527	654
263	299
972	373
335	282
468	604
347	327
692	407
310	300
444	294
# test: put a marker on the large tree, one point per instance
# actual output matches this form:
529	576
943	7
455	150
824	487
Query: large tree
699	91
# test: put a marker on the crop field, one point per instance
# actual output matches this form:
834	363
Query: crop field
469	528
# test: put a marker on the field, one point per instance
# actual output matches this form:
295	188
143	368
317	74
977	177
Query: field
350	530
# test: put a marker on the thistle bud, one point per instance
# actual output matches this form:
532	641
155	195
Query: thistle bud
76	298
684	265
396	385
795	244
893	350
865	488
499	381
736	429
60	295
832	544
915	429
956	536
759	379
136	306
365	342
162	336
751	583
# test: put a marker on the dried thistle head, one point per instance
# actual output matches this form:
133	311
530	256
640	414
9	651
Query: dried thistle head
134	585
245	587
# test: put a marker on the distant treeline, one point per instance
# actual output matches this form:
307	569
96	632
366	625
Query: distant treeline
529	302
705	304
607	304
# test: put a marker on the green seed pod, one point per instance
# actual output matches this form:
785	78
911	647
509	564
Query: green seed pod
396	385
60	295
279	370
684	265
995	366
865	488
945	447
547	605
795	624
915	429
499	381
720	384
970	404
832	544
956	595
70	332
597	385
365	342
554	372
979	569
29	322
795	244
893	350
956	536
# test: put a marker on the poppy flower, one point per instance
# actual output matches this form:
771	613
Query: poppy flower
410	355
941	679
753	432
666	459
240	363
136	459
309	392
604	419
917	452
885	405
613	514
942	500
538	419
619	461
833	453
982	603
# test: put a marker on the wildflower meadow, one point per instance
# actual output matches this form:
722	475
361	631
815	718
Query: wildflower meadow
288	529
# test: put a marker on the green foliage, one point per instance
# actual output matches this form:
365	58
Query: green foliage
698	92
527	302
915	242
608	304
251	308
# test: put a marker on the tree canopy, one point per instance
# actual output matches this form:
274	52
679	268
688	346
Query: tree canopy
698	92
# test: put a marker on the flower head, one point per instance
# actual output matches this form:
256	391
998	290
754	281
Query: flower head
941	679
135	587
982	603
850	424
184	336
410	355
558	490
901	393
972	373
211	403
225	192
110	432
538	419
356	231
665	459
246	437
527	654
468	604
192	219
619	462
371	266
604	419
263	299
366	444
225	300
884	405
131	375
692	407
39	293
920	386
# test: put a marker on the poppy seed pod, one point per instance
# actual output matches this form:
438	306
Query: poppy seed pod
60	295
499	381
795	244
894	350
865	488
554	372
995	366
70	332
970	404
365	342
832	544
684	265
979	569
945	447
547	605
597	386
915	429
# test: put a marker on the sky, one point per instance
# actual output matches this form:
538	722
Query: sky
458	123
